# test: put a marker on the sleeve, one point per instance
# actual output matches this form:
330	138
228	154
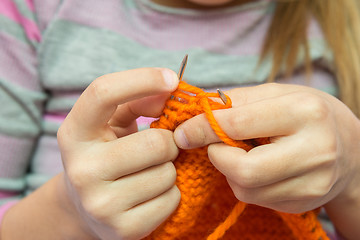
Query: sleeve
21	95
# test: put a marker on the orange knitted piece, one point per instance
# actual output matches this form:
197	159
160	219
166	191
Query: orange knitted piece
208	208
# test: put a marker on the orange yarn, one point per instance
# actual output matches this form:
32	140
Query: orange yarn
208	207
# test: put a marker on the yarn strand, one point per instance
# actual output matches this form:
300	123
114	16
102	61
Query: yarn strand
229	221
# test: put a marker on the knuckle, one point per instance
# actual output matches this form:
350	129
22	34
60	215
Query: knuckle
331	148
319	190
312	106
328	152
156	141
173	197
149	72
237	120
81	177
128	225
154	73
238	95
124	229
199	135
150	77
60	135
240	194
195	136
176	195
246	177
169	172
291	206
271	87
128	234
156	77
246	195
99	89
330	155
96	207
130	228
248	182
63	136
76	176
160	143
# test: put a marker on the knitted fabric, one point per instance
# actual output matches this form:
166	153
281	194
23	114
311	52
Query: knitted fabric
208	208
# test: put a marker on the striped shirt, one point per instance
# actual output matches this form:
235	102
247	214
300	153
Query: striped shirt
50	51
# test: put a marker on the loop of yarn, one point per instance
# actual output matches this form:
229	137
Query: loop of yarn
208	208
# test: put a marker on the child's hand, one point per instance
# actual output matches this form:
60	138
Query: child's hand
120	181
312	158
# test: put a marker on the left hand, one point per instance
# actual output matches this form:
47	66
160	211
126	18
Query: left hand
312	157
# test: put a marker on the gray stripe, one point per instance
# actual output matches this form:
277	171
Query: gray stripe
21	110
18	63
10	27
14	198
36	180
171	10
24	9
84	56
12	184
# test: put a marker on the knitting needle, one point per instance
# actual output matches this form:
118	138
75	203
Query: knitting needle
182	67
181	73
181	70
222	96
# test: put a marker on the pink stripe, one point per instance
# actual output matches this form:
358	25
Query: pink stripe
61	117
55	117
30	4
18	62
145	120
9	9
112	15
4	194
4	208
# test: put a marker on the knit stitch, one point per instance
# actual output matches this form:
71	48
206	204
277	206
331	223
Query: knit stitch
208	207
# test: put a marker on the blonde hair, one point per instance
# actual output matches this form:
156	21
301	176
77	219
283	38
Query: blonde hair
339	21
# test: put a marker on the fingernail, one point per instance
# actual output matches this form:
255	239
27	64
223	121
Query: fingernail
170	78
180	139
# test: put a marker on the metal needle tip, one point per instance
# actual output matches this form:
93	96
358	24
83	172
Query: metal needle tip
182	67
222	96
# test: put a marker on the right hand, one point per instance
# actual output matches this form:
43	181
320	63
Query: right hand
120	182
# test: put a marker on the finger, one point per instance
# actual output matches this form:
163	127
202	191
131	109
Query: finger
268	164
295	206
246	95
136	152
148	107
123	120
264	196
154	212
145	185
267	118
306	192
99	101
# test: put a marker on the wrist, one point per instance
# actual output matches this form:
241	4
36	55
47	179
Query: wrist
350	161
344	212
47	213
75	227
344	209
